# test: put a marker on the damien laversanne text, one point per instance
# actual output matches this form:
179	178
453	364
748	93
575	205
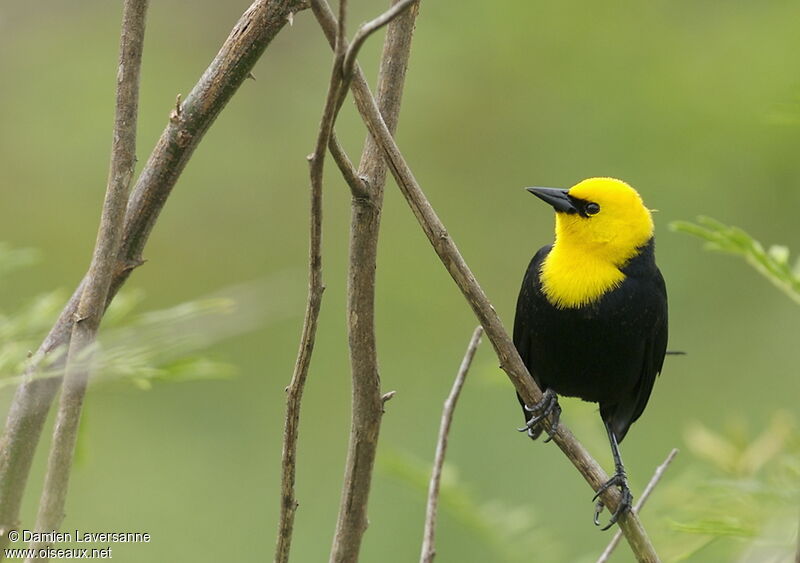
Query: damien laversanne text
79	536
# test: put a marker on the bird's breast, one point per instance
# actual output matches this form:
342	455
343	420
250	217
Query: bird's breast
572	280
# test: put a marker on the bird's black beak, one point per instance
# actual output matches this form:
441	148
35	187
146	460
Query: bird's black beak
556	197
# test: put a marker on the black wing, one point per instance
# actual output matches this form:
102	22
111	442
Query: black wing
655	330
525	314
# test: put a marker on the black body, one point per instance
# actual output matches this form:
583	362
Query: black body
608	352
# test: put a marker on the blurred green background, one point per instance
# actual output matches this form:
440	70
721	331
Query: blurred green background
693	103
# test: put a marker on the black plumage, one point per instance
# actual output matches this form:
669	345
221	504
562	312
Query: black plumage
608	352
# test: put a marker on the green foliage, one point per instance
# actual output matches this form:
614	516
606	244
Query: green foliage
772	263
744	498
741	499
161	345
164	345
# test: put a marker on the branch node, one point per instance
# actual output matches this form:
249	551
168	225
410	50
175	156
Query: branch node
177	111
358	187
251	76
386	397
132	264
364	199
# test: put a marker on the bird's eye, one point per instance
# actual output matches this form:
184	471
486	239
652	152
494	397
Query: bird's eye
592	208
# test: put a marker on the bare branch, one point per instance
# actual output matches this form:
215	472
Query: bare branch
337	90
101	271
357	186
333	103
27	414
509	357
344	55
368	402
368	29
659	473
428	545
295	389
341	31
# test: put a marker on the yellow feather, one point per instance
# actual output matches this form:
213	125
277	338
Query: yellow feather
589	252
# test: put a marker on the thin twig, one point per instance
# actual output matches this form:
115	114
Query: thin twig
93	300
367	202
428	544
368	29
659	473
347	54
509	358
289	504
358	188
251	35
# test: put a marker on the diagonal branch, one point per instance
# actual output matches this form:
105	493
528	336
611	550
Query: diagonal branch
101	271
654	480
358	187
428	549
509	357
251	35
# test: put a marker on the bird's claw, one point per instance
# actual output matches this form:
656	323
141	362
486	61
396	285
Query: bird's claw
545	407
618	480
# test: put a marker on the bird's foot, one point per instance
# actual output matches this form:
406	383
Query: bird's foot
618	480
541	410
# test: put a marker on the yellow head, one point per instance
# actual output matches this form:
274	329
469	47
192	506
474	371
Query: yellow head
601	223
601	216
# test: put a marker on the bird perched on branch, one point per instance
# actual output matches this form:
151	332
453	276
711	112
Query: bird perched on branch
591	319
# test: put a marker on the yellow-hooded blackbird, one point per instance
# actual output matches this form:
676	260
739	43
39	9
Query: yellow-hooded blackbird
591	319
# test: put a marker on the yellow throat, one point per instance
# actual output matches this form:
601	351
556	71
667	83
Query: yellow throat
590	250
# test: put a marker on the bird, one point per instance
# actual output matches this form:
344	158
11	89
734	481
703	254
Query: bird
591	316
